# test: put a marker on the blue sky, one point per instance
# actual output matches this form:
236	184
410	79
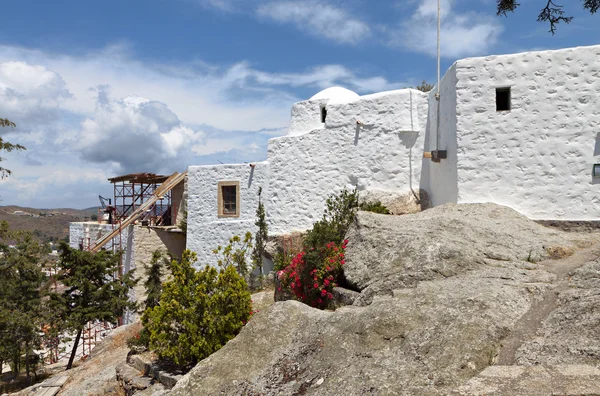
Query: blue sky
99	89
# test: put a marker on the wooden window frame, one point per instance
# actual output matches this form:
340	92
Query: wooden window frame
220	202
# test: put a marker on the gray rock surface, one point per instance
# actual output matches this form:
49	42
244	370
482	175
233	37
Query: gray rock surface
388	252
571	332
398	204
534	381
441	291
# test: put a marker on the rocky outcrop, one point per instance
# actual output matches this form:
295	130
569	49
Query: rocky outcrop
398	204
440	293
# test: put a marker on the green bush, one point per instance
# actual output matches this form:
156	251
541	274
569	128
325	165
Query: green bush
376	207
312	274
199	311
340	213
235	254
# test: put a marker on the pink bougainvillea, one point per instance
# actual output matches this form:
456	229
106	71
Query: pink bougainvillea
312	275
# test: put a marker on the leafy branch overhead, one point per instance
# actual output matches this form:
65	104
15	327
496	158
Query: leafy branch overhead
7	146
552	12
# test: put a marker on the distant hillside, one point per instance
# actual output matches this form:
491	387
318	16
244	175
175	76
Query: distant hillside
49	225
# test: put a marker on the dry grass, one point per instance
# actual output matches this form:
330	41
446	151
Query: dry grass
559	252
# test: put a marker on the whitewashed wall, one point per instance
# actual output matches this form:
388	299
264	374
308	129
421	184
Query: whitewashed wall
382	154
94	231
306	116
205	229
440	179
536	158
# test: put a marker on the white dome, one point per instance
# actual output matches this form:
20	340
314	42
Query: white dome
336	95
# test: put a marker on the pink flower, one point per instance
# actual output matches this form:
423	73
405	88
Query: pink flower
345	241
316	285
326	282
343	262
323	293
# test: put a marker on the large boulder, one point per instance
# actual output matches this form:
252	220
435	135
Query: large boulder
439	293
388	252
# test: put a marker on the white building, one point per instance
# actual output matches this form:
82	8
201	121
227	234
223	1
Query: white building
519	130
536	152
336	139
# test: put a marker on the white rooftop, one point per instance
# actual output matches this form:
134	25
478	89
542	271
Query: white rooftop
336	95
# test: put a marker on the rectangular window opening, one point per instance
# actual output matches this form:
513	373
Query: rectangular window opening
502	99
323	114
228	199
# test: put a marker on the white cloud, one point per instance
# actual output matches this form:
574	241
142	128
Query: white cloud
320	77
462	34
317	18
156	117
30	93
137	133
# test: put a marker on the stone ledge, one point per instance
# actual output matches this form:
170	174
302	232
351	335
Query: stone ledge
153	370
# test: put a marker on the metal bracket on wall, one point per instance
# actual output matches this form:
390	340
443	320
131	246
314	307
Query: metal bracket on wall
436	155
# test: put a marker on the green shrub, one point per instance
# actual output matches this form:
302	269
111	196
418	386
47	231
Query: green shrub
235	254
140	340
340	213
199	311
183	223
375	207
312	274
282	259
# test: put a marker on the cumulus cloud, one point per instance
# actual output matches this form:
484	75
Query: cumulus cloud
462	34
317	18
137	133
30	94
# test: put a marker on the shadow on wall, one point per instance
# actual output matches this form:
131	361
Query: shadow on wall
596	180
251	176
439	180
174	241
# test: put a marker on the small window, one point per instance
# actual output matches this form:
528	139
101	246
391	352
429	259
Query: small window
323	114
502	99
228	199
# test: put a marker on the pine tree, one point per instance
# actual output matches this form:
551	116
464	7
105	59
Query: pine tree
93	291
153	283
20	299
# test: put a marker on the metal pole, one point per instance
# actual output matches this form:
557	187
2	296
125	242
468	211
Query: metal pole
437	94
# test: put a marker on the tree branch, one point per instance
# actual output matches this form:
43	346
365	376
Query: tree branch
553	14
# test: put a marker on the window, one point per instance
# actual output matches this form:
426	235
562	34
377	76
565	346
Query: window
502	99
228	199
323	114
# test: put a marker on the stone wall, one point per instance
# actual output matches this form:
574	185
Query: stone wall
142	246
206	230
382	153
536	158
